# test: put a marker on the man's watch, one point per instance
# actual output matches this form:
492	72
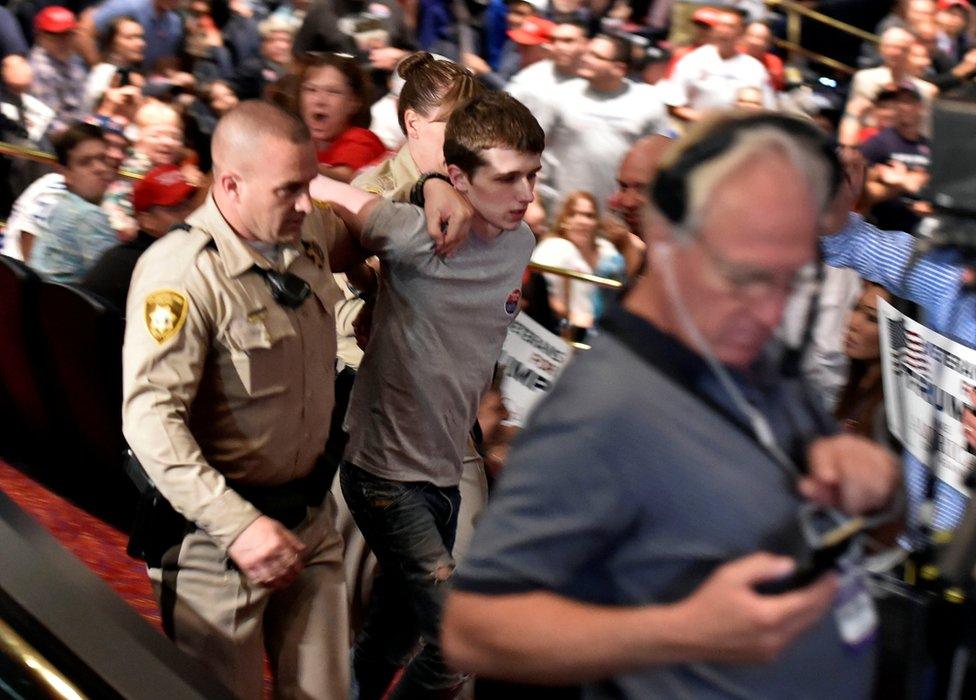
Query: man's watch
417	193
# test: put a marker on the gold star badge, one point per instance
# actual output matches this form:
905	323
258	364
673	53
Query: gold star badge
165	312
314	253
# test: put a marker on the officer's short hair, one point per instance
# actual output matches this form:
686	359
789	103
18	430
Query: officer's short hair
68	139
490	120
259	118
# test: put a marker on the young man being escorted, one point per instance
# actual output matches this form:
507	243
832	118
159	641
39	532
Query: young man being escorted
437	332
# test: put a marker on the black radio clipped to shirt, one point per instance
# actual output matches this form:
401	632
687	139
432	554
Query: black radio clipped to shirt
286	289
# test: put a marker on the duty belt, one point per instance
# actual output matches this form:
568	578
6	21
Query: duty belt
157	526
288	503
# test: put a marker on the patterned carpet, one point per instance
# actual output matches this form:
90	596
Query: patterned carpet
99	546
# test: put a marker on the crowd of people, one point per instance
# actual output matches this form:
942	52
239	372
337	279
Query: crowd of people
237	180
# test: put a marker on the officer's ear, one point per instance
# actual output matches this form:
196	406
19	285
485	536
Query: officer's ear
230	183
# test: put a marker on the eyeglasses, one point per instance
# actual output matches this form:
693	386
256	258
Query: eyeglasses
748	282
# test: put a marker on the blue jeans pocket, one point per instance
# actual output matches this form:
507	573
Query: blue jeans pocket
383	495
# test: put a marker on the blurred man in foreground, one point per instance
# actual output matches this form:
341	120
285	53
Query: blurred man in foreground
642	508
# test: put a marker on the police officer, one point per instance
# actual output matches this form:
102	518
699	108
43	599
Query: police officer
228	390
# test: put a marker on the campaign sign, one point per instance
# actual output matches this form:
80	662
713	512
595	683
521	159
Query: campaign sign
533	358
925	380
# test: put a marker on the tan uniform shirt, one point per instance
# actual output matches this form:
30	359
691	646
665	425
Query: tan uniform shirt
220	381
391	179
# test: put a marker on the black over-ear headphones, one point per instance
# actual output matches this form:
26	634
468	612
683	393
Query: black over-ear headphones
669	189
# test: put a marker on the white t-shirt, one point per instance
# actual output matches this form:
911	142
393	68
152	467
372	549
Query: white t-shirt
30	212
560	252
589	132
99	80
37	116
385	123
537	86
704	81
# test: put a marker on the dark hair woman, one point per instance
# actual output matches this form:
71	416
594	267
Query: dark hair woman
333	101
861	404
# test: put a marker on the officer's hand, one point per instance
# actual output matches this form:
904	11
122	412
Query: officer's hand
448	216
268	553
362	326
851	473
729	622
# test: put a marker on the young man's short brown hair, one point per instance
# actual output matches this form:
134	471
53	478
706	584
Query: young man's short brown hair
490	120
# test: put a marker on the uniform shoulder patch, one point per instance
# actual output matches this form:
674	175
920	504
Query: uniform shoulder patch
165	313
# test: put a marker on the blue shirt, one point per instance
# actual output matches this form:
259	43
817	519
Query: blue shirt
934	283
11	37
78	233
164	31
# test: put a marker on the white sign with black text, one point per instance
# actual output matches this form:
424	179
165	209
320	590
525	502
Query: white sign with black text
925	381
533	358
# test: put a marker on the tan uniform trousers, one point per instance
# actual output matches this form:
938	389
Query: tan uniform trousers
359	563
227	622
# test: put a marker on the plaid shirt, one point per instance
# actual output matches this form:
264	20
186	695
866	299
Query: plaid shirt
59	85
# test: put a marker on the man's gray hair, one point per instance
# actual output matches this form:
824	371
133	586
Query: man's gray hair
749	145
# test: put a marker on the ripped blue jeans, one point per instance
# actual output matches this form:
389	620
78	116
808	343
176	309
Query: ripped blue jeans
410	527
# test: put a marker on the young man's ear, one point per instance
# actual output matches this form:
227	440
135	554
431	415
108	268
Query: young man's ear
459	179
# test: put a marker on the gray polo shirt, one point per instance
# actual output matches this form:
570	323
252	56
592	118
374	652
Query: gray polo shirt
437	332
627	489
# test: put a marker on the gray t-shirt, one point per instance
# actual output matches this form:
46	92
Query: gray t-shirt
626	490
437	332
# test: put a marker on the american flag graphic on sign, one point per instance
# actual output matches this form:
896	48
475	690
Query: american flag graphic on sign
914	353
907	348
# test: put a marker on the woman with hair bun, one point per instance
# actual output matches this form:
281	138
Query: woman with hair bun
432	88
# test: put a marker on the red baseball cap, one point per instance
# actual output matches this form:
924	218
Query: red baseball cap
55	20
534	31
707	16
949	4
163	186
